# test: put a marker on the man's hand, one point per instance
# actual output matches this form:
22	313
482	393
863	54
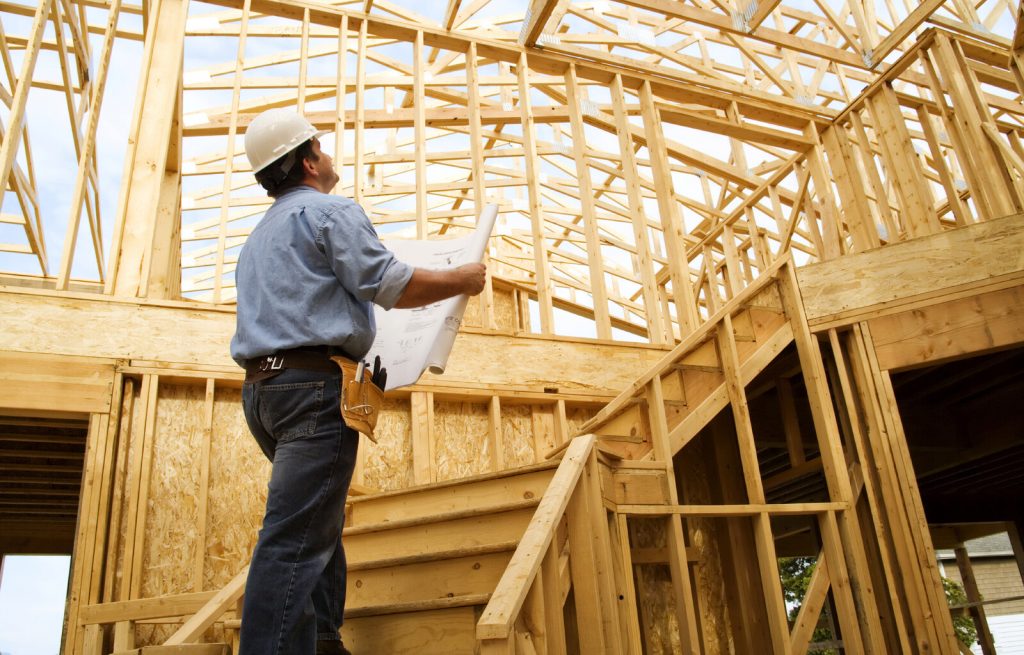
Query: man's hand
474	276
426	287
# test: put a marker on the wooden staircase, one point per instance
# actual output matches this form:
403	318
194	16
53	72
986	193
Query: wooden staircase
422	564
423	561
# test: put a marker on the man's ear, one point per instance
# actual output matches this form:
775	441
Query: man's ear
309	168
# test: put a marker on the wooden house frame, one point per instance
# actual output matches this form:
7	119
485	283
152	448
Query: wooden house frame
757	265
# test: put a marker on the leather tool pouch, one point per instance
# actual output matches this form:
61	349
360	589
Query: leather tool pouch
361	400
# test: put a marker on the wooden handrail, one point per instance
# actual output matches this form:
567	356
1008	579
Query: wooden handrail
507	600
701	334
197	624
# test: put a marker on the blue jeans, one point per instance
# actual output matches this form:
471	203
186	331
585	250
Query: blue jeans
295	593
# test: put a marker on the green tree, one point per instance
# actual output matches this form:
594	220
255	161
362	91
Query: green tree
963	625
796	575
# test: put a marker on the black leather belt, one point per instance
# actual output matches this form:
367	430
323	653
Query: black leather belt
310	358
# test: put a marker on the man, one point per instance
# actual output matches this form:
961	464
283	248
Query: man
307	278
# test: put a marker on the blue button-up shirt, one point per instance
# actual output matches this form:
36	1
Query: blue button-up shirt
309	274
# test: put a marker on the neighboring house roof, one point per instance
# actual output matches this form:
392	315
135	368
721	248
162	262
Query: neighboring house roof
996	545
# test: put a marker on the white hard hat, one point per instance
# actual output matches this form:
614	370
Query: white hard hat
275	133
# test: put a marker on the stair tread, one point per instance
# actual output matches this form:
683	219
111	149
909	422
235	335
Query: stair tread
419	558
440	517
182	649
483	477
464	600
412	607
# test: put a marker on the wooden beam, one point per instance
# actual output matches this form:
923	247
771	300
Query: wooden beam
761	10
913	273
897	36
535	21
949	330
146	161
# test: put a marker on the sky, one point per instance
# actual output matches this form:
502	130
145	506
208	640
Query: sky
32	592
49	132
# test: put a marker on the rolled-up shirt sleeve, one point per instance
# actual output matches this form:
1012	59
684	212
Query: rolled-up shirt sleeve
362	264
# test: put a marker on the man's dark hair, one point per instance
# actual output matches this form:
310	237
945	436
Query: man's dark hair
286	172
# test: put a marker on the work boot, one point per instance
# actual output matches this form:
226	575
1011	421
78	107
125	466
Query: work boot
331	647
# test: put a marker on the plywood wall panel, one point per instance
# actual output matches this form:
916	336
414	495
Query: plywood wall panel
655	597
174	492
460	439
705	537
238	491
388	463
576	417
517	435
505	310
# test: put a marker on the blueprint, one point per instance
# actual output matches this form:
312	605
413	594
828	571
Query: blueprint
411	341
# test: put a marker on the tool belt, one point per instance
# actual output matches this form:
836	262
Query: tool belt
310	358
361	400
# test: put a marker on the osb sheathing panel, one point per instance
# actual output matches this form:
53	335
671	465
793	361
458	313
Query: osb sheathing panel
460	439
505	310
517	435
655	596
387	464
172	515
239	474
545	437
576	417
705	537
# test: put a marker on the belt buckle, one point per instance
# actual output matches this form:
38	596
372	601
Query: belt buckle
271	363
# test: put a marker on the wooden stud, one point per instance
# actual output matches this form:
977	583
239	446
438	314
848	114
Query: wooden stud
359	138
790	422
494	440
833	460
574	96
770	583
630	621
476	154
540	249
204	485
340	94
963	562
229	157
660	331
423	461
420	127
146	162
583	562
681	584
686	310
859	439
